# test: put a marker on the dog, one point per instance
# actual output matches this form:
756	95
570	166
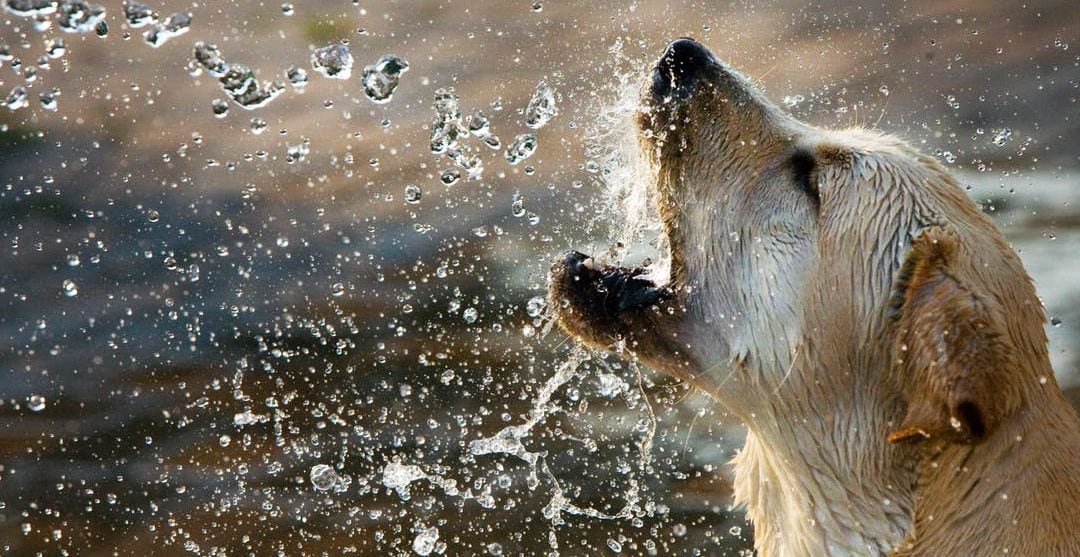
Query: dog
840	294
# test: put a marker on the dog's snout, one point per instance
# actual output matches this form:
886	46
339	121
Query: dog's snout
679	67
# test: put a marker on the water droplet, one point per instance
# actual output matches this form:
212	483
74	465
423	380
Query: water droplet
296	152
424	543
381	79
30	8
413	193
70	288
138	14
333	61
37	403
17	98
77	16
297	76
522	148
48	99
337	289
541	108
535	306
1001	137
323	477
450	176
258	125
517	208
287	8
55	48
470	315
173	26
220	108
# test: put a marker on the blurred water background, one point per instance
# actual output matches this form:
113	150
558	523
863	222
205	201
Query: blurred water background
221	336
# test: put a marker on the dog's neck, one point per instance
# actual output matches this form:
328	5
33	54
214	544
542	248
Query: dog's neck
819	483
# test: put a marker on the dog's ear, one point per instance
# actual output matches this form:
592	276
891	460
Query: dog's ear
946	347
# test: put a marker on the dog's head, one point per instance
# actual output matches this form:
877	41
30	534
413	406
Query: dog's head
808	263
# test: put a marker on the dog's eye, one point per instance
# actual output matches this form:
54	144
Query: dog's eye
803	168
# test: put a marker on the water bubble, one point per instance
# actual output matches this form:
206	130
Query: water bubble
333	61
258	125
323	477
287	8
37	403
735	531
470	315
495	548
337	290
541	108
173	26
884	90
138	14
425	541
537	7
614	545
522	148
381	79
413	193
70	288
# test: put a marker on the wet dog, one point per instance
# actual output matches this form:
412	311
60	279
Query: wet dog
840	294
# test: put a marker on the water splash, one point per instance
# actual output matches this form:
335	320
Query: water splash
620	169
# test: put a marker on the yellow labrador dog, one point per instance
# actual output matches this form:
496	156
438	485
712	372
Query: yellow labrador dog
840	294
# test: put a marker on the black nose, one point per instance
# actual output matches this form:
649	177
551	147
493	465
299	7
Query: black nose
679	68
